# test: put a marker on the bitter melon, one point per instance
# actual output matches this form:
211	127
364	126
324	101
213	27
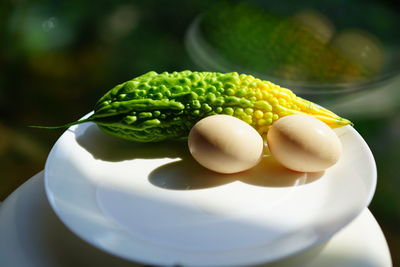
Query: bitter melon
154	107
257	39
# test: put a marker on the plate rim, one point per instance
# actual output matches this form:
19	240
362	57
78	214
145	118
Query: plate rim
259	260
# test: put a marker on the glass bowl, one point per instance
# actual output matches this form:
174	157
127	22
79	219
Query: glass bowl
329	50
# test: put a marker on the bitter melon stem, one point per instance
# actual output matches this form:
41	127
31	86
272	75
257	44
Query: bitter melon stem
63	126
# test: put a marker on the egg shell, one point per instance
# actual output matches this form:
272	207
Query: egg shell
316	23
303	143
362	48
225	144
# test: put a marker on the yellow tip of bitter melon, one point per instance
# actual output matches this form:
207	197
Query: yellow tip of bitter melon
154	107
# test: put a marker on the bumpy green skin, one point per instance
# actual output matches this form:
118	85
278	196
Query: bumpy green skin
154	107
248	35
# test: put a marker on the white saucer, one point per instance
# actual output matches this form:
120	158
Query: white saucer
32	235
152	203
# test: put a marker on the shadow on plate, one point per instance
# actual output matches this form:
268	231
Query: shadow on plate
187	174
109	148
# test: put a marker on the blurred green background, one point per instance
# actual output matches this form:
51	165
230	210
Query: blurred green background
58	57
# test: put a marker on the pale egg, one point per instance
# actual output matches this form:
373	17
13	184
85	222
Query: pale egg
316	23
303	143
362	48
225	144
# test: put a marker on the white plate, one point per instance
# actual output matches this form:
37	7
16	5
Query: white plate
152	203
